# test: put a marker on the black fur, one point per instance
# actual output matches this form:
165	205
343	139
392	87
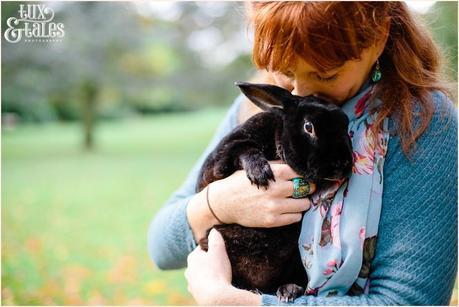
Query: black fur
267	259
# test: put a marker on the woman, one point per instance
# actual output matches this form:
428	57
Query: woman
378	63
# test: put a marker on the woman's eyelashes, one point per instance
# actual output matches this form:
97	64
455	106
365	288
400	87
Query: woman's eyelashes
327	79
291	75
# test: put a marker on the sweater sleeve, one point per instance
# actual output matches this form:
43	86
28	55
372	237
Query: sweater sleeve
170	239
416	254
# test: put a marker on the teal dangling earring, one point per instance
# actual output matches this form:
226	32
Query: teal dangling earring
376	73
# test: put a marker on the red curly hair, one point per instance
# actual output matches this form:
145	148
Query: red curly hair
327	34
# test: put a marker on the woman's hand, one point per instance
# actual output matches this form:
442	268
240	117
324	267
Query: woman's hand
235	200
209	276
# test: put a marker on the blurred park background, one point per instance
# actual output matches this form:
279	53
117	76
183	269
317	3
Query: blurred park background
99	129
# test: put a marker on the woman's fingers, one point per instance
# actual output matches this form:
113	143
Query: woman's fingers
216	244
292	205
235	199
285	219
287	211
283	188
283	171
284	212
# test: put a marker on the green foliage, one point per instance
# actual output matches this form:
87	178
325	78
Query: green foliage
442	20
137	61
145	58
74	223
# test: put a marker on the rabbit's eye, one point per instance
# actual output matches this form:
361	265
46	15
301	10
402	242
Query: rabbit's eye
309	128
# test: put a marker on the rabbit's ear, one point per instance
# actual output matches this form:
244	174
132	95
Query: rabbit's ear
266	96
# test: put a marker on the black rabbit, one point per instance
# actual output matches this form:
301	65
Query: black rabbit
311	136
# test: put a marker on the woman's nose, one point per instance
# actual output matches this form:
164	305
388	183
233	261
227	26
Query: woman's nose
301	88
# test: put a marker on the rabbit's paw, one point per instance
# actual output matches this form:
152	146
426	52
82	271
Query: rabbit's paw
259	172
289	292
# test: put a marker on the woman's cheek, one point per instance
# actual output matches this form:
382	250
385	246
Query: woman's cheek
342	92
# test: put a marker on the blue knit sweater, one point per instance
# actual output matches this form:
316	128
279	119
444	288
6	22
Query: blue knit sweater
416	253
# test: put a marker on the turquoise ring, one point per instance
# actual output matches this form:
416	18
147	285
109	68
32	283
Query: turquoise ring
301	188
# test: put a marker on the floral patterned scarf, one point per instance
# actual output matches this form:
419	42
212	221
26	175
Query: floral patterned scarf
338	235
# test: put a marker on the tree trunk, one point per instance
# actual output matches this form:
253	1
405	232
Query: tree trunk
89	91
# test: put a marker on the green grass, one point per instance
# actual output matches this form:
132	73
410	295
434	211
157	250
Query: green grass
74	223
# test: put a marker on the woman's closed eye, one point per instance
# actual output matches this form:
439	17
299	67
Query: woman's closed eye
326	79
291	75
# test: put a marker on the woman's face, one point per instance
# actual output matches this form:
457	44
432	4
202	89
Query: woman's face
337	85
